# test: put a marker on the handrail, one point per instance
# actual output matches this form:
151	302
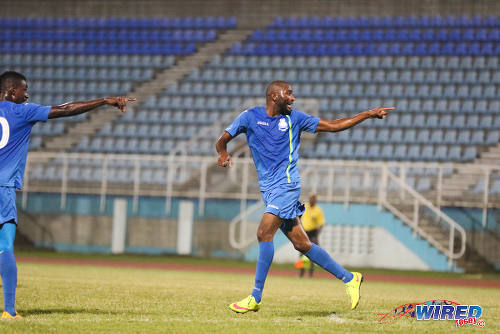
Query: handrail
420	199
241	217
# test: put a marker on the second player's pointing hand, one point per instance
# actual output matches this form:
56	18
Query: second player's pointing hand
120	102
380	112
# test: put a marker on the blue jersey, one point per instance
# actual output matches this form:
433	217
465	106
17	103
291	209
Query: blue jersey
16	121
274	143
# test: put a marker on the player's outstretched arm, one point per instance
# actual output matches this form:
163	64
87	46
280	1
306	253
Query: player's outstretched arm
225	159
346	123
76	108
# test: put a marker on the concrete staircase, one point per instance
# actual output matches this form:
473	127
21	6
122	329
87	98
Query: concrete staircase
29	230
472	261
457	184
142	92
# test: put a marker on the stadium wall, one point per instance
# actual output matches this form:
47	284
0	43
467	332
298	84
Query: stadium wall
363	236
359	235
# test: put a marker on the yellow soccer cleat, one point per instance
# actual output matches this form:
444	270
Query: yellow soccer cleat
353	288
306	261
7	315
245	305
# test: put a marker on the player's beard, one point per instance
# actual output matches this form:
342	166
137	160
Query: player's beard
284	109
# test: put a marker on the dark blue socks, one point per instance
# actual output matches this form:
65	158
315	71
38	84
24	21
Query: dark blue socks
266	254
8	268
319	256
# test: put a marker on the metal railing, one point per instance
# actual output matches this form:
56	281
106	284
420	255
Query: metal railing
317	175
195	177
420	202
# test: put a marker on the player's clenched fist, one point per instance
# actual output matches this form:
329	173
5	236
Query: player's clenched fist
225	160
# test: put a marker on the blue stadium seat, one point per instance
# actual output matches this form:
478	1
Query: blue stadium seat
441	153
387	151
469	154
400	151
373	151
423	136
427	152
410	136
493	137
334	150
464	137
360	151
320	151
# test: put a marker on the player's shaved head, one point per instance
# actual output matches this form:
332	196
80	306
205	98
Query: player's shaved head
275	87
279	97
10	79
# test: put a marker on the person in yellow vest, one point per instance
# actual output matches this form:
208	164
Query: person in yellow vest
312	221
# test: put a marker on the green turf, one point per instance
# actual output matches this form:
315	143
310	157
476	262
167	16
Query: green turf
85	299
188	260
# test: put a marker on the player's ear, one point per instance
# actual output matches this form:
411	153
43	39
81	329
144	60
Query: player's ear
11	92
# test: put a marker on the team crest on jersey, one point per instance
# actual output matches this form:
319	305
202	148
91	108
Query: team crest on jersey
283	125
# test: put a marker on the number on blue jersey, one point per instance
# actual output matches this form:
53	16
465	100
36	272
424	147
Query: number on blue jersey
5	132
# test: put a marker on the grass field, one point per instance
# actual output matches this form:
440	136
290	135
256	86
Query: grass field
57	298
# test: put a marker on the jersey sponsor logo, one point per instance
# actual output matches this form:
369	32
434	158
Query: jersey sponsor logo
5	134
262	123
283	125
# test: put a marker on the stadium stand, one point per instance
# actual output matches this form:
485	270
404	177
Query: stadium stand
441	73
69	59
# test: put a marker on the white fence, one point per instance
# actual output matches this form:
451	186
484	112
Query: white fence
187	176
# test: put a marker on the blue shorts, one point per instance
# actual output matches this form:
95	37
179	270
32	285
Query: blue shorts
283	200
8	209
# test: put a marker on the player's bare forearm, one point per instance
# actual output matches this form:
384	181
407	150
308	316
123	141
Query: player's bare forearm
76	108
224	159
346	123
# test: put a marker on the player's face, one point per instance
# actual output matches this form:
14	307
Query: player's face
285	100
19	94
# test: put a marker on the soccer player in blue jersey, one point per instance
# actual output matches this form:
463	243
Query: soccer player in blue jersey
273	135
16	120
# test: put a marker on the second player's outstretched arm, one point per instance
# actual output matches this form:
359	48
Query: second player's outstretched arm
346	123
76	108
224	159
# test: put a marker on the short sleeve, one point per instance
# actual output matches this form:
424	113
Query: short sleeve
34	112
307	122
239	125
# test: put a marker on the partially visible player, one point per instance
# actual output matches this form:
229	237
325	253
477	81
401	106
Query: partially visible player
273	135
312	222
16	120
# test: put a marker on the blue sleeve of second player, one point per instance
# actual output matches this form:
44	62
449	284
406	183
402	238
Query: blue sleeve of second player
34	112
239	125
307	122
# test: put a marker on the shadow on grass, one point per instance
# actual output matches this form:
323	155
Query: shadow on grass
35	311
